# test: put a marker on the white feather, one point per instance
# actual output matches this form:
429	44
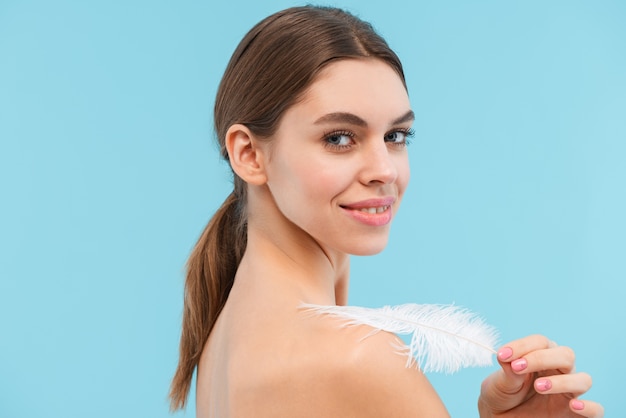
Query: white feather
444	338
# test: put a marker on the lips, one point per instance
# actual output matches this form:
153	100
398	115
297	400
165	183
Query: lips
367	204
374	212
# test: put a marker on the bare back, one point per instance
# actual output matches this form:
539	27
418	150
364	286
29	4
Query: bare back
267	358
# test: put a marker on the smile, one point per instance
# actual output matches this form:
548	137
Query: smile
379	209
371	212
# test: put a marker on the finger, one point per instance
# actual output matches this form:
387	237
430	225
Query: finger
504	383
576	384
519	348
507	380
586	408
560	358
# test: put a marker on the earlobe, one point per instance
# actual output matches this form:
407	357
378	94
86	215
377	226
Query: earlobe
245	155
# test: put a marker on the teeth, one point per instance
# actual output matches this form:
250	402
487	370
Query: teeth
379	209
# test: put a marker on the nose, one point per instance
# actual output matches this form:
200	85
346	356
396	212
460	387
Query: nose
379	164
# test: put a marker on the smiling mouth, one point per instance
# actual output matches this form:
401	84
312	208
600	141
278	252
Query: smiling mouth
378	209
370	215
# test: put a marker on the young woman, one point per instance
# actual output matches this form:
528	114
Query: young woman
313	115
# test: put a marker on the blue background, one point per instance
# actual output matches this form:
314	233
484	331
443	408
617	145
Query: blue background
108	174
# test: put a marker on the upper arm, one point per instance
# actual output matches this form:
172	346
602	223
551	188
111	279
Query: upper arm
380	384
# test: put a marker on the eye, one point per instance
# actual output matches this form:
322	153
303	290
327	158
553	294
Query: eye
399	137
339	140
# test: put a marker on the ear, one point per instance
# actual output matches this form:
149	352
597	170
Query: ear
246	155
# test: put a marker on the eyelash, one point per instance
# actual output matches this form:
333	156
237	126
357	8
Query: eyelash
336	147
407	132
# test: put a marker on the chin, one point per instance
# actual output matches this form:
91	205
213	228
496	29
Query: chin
371	249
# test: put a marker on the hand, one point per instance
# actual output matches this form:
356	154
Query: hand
537	379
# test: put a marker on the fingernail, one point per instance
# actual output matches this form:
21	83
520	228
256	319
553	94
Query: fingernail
543	384
505	353
578	405
519	364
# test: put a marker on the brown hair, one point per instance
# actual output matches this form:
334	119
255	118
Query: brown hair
270	70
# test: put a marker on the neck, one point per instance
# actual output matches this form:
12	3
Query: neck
281	253
282	257
299	267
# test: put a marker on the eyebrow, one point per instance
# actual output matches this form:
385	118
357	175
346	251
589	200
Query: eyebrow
350	118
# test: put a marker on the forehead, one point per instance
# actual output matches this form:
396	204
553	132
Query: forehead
369	88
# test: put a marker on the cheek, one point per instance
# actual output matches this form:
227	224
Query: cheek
320	182
404	175
307	185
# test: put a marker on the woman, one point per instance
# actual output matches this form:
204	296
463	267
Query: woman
313	115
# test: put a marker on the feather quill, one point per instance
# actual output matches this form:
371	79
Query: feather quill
443	338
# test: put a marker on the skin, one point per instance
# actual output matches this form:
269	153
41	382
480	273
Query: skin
521	389
338	147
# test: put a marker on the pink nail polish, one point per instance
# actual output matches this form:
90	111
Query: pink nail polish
543	384
519	364
578	405
505	353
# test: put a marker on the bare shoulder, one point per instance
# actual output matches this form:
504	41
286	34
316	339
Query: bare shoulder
380	379
334	371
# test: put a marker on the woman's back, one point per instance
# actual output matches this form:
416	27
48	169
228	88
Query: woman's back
267	358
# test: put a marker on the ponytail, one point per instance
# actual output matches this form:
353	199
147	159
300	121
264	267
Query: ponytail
211	272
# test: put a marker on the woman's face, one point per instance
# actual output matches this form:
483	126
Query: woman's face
338	164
